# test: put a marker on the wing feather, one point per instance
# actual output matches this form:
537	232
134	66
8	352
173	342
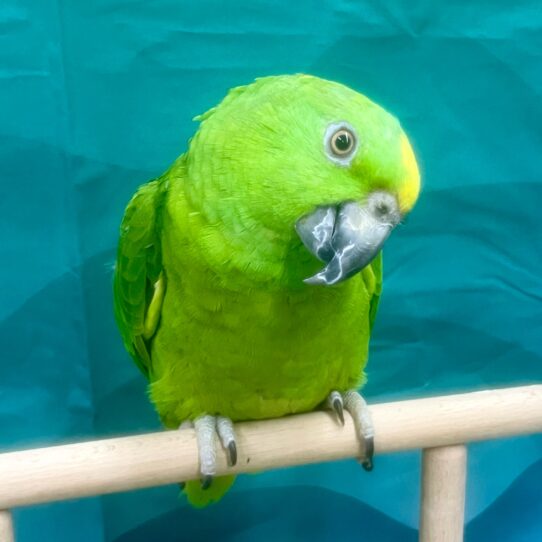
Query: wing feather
376	266
138	269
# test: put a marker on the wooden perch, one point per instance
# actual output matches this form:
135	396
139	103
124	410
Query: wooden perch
119	464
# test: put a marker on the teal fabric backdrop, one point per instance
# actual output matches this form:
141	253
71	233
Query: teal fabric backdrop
97	97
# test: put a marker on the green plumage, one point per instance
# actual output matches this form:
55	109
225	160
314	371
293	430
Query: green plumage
238	332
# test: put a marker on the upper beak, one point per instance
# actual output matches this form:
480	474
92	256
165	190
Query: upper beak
349	235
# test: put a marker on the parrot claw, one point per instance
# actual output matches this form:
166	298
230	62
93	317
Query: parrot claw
226	433
338	406
335	401
232	453
354	403
367	463
206	482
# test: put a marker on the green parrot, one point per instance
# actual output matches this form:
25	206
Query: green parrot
248	275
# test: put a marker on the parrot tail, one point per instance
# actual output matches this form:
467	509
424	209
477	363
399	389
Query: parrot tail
199	498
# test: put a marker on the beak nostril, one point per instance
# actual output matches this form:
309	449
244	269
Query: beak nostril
382	209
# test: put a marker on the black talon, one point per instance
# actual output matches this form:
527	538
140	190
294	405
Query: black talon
338	408
367	463
232	453
206	482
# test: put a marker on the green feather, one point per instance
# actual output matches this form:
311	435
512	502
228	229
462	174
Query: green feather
376	267
200	498
138	267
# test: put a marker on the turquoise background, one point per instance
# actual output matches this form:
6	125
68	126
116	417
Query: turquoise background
97	97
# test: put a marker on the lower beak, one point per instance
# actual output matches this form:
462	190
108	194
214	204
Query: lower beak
348	236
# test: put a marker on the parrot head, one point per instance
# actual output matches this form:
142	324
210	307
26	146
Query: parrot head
300	159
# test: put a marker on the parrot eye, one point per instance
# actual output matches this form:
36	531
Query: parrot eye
340	143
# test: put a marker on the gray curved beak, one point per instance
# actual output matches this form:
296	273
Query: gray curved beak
348	236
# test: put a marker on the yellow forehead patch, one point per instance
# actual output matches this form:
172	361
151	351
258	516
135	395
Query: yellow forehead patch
410	185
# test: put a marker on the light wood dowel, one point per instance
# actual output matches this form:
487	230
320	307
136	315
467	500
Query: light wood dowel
6	527
119	464
442	511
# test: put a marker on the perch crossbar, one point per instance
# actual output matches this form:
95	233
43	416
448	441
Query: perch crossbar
440	426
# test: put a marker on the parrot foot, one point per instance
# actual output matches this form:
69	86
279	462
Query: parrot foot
353	402
206	427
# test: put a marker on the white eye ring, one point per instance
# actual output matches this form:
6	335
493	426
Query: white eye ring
342	129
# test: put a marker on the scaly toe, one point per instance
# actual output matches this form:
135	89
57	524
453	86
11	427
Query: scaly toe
206	427
356	405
